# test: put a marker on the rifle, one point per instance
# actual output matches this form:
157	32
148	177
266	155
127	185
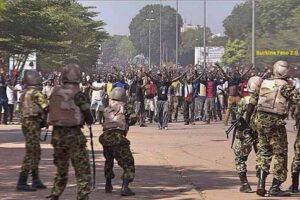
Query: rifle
231	128
93	157
45	136
240	125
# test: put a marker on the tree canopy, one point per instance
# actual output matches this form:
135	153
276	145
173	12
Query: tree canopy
277	28
235	53
139	31
189	40
117	49
58	31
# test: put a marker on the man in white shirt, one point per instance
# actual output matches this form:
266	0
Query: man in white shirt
98	99
11	100
47	90
18	88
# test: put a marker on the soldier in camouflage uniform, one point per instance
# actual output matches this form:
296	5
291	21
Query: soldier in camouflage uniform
34	107
69	109
118	117
243	140
272	102
296	161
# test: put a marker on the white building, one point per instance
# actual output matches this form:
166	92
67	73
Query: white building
213	54
29	64
187	27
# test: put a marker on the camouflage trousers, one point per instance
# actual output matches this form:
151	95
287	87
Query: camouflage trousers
31	130
272	143
70	144
296	160
116	146
242	148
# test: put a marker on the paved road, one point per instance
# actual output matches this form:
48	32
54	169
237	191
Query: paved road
184	162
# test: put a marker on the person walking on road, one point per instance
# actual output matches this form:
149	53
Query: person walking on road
119	115
34	108
162	84
69	110
296	161
272	102
245	137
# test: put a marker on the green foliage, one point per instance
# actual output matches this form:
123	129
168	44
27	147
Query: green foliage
117	48
218	41
238	24
277	27
2	5
189	40
235	53
59	31
273	16
125	49
139	31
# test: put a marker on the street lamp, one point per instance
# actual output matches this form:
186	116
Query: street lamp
149	20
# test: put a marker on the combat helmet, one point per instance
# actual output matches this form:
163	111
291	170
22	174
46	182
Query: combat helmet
118	94
32	77
71	73
254	83
281	69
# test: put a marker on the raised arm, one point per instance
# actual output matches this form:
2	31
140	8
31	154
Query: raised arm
247	71
179	77
150	76
199	77
222	71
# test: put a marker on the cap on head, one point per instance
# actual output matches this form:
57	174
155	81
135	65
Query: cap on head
281	69
32	77
71	73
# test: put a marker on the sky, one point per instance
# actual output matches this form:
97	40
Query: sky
117	14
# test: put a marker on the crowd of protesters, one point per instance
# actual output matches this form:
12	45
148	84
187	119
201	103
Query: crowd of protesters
160	95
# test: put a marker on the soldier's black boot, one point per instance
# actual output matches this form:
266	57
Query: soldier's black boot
22	183
36	182
276	191
261	185
295	182
245	188
108	186
126	191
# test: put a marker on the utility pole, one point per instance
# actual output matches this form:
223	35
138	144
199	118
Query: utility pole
176	33
160	60
149	35
204	34
253	32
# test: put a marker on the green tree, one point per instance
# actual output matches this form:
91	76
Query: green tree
273	16
235	53
117	48
125	49
53	29
238	24
218	41
139	29
189	40
277	27
2	5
